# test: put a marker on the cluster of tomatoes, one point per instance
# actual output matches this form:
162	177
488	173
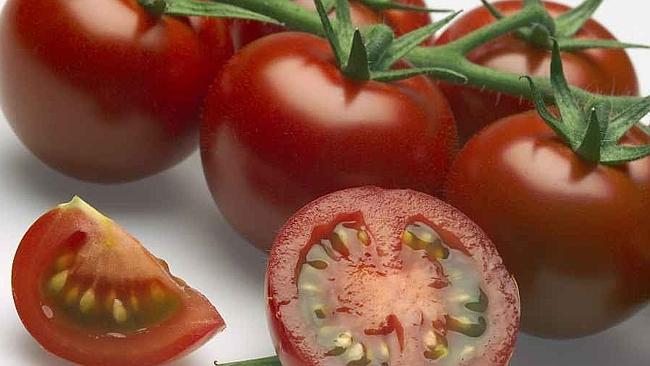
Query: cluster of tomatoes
103	91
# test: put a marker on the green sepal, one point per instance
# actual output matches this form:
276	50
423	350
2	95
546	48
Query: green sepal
392	5
537	34
380	37
267	361
343	27
330	34
624	121
621	154
565	27
579	44
406	43
592	142
202	8
594	137
493	10
437	72
571	114
570	22
540	104
533	3
329	5
357	66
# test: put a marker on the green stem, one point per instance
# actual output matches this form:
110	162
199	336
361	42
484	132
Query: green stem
503	82
451	56
527	16
268	361
290	14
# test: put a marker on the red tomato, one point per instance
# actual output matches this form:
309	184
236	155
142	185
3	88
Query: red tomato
573	233
598	70
370	276
283	126
89	292
103	91
402	22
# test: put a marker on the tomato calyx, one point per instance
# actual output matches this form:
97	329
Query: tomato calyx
593	132
370	53
201	8
563	28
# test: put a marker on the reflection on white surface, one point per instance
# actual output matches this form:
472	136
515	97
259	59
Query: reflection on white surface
174	217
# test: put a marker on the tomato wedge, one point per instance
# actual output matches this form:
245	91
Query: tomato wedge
368	276
89	292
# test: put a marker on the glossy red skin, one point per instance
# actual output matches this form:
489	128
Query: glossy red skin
102	91
283	126
402	22
386	213
193	325
598	70
575	235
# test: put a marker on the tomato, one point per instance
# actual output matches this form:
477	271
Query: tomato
597	70
283	126
377	277
402	22
89	292
573	233
103	91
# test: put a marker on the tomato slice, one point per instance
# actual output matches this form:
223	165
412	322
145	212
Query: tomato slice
378	277
89	292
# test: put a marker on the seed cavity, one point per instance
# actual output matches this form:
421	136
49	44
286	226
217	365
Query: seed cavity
479	306
467	327
419	236
318	264
71	296
64	262
320	313
157	292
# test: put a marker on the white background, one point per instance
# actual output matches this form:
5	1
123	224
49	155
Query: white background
174	216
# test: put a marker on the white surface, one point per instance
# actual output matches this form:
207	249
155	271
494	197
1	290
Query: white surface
174	216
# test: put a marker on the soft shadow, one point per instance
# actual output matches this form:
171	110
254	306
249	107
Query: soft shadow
168	189
26	345
228	246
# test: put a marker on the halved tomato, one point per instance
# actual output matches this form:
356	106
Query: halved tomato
89	292
378	277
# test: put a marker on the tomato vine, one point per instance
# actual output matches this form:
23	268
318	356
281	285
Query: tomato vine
449	57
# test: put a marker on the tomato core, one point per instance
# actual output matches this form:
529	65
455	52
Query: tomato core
366	303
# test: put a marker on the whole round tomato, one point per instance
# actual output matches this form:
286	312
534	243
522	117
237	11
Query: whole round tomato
375	277
90	293
402	22
597	70
573	233
103	91
283	126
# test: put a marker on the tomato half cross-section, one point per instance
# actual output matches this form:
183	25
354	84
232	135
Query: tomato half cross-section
90	293
103	91
368	276
402	22
283	126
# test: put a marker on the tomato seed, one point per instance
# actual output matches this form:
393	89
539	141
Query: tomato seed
57	282
87	302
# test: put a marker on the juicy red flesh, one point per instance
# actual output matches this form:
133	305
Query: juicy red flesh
378	280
